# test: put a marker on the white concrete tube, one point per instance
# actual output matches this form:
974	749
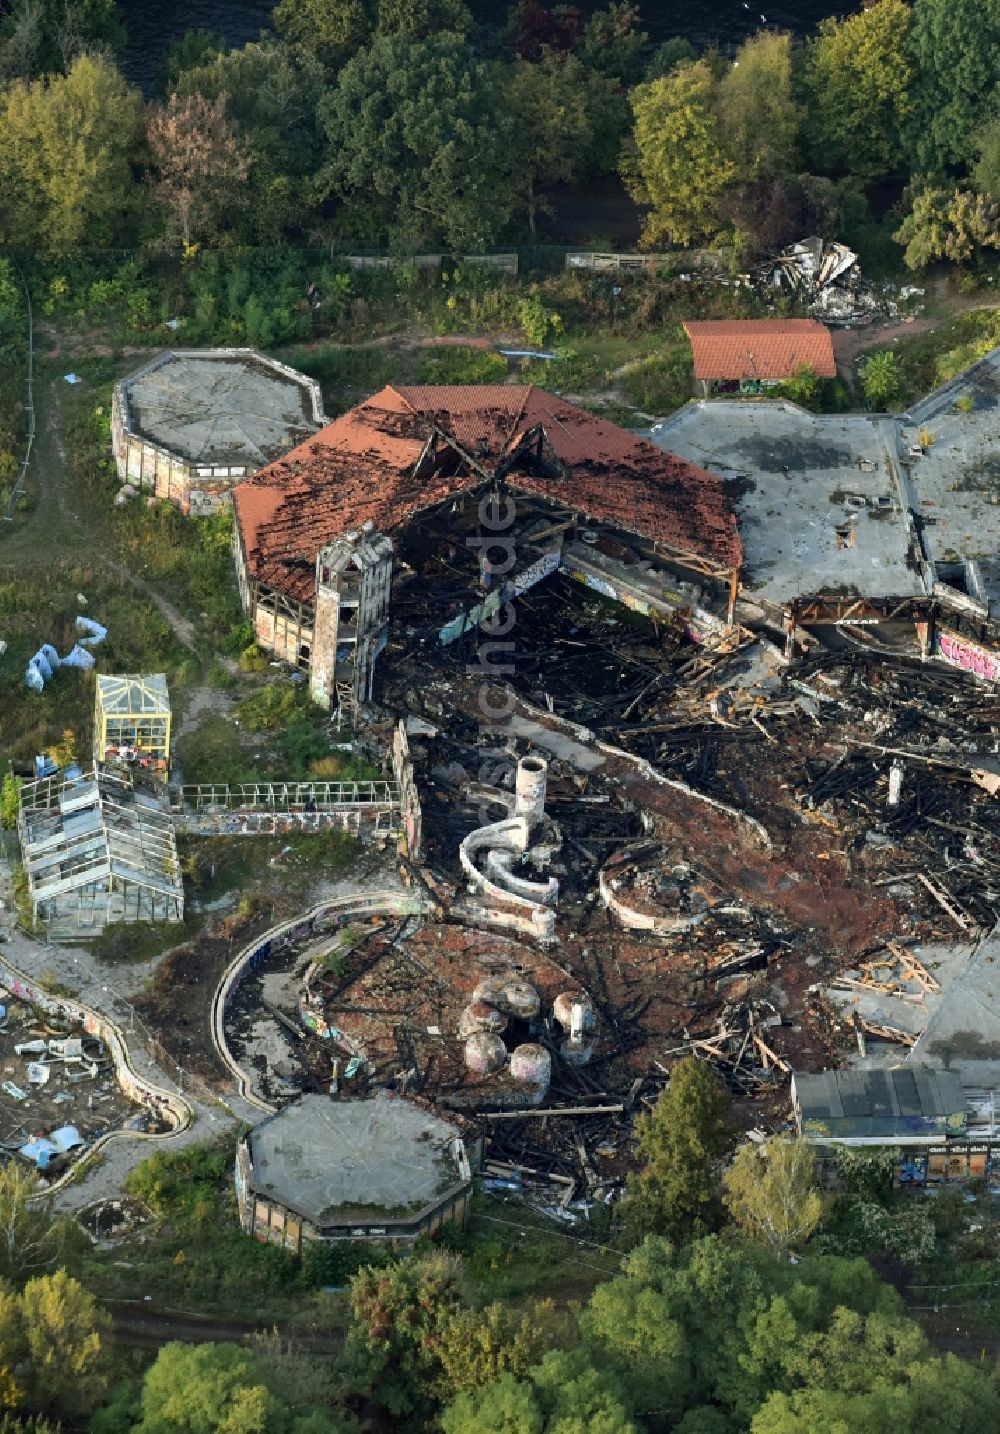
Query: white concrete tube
529	788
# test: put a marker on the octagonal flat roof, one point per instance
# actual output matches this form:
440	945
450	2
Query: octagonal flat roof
334	1161
221	406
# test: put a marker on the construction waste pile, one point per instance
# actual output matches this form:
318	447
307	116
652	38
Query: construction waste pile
824	276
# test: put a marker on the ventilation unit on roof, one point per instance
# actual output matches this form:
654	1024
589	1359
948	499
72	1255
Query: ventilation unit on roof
867	465
855	500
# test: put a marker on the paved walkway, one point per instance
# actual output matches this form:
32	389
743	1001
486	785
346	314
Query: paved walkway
108	990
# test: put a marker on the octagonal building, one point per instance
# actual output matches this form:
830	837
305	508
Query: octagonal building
380	1169
191	424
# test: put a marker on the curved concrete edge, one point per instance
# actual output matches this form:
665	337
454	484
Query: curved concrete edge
135	1086
636	920
391	903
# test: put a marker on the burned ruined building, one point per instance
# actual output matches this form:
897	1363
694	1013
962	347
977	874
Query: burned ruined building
511	483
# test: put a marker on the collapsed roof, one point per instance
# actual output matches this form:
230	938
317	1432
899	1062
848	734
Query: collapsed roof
762	349
408	449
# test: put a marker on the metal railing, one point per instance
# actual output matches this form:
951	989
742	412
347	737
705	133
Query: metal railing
290	796
19	486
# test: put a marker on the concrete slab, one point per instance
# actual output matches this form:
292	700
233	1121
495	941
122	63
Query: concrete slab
213	408
384	1155
957	480
821	510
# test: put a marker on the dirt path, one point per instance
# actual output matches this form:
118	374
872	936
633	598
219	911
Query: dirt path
139	1325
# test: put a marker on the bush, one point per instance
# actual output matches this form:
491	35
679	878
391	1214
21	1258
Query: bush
269	709
661	384
463	365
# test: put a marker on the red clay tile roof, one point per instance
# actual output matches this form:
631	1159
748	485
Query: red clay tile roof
361	467
759	348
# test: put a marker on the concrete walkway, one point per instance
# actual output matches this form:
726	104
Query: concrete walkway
109	990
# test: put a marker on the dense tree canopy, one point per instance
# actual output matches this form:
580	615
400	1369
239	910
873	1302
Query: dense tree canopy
271	93
66	178
677	167
418	146
683	1142
857	81
758	116
955	46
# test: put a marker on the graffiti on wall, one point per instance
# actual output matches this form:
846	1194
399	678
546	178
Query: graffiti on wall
968	655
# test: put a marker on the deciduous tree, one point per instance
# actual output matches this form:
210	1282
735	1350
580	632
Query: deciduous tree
551	128
66	1338
953	225
677	166
882	379
330	29
418	145
683	1140
65	161
399	1314
955	46
198	160
476	1347
564	1394
757	113
48	36
271	92
31	1239
206	1389
858	80
420	18
771	1194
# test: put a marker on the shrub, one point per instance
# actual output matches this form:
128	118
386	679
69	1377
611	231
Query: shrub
463	365
269	709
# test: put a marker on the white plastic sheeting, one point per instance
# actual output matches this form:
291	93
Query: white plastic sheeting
46	660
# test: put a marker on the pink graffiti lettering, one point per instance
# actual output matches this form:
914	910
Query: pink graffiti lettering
971	658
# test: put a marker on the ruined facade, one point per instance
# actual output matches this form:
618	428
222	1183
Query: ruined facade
513	481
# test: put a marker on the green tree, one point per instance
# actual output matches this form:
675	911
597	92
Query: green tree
418	145
757	114
330	29
676	165
955	46
419	18
613	42
682	1141
858	80
399	1314
882	379
666	57
195	48
31	1239
985	171
564	1394
636	1326
476	1347
943	224
66	1339
271	93
547	102
771	1194
65	161
206	1389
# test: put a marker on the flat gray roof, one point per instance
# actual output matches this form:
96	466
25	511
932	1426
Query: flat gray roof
957	480
221	406
964	1025
337	1160
795	478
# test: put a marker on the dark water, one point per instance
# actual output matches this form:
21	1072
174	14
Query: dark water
153	25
